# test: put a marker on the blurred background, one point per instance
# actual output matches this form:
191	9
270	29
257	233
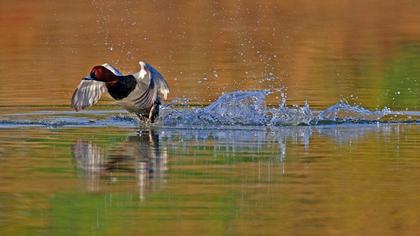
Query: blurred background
366	52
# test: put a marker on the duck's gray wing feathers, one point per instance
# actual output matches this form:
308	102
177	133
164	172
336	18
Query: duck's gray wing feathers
90	91
87	94
159	82
147	96
150	78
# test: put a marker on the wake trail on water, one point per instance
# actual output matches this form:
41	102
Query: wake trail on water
235	109
248	108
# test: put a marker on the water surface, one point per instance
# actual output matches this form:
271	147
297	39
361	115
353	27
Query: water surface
284	118
346	179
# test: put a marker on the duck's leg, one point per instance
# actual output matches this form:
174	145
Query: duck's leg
154	112
141	119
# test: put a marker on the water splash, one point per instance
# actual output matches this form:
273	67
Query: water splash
344	112
236	109
248	108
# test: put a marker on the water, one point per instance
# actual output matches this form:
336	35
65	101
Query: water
227	168
284	118
346	179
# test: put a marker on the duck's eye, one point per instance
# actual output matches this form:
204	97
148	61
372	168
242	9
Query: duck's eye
92	74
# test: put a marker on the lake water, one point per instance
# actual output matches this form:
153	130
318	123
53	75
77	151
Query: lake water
284	118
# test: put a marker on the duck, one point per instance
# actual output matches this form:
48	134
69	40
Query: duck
140	93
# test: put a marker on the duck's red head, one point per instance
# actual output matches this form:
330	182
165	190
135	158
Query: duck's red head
100	73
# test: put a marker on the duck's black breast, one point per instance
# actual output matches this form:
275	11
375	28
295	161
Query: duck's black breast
122	87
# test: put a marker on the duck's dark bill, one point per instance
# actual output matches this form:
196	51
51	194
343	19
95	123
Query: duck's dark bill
87	78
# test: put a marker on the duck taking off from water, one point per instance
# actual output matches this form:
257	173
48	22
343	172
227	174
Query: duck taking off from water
139	93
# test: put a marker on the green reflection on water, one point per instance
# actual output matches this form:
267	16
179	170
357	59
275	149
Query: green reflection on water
293	180
402	78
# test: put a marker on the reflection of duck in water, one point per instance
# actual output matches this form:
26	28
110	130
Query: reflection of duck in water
139	156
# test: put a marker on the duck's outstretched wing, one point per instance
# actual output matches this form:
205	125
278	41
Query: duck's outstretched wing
87	94
160	83
152	79
90	91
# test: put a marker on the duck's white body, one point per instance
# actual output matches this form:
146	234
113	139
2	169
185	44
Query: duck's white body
149	84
